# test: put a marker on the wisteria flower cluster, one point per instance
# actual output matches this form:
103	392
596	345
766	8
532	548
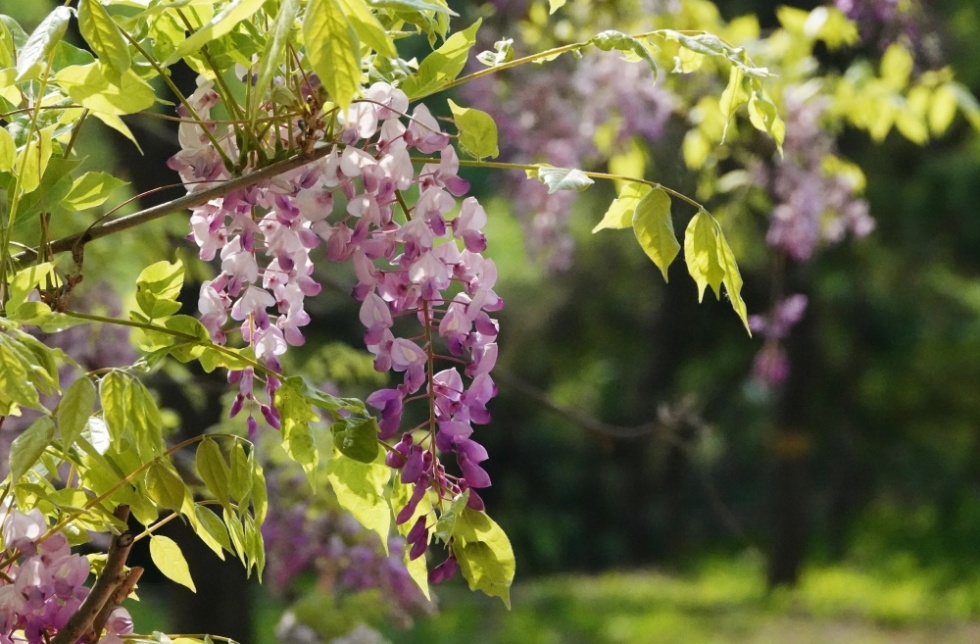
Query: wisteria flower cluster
771	365
302	535
813	204
43	583
556	123
411	262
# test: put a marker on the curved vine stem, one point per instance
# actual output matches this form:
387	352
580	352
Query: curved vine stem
192	200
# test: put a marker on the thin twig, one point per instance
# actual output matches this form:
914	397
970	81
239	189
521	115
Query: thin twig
193	200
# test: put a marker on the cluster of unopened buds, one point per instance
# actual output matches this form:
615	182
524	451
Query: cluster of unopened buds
425	289
42	583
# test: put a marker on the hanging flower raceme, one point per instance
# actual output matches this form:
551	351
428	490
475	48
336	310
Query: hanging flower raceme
43	583
426	291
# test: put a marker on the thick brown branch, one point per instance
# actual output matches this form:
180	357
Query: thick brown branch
105	587
192	200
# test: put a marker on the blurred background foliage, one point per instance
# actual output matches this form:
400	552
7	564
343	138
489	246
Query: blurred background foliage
631	434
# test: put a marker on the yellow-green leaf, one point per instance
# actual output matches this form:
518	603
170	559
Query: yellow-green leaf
271	57
369	29
91	190
222	23
359	488
733	96
170	560
103	36
296	414
443	65
41	43
710	262
620	211
555	5
654	229
477	131
75	408
28	447
334	50
8	149
213	470
485	556
91	88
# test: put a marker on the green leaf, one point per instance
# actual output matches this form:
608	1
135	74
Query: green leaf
359	488
296	414
42	42
8	150
942	109
213	470
16	387
763	116
91	189
710	262
443	65
485	556
75	408
164	486
30	278
370	31
240	479
271	57
170	560
733	97
260	494
654	229
114	395
158	287
333	49
620	211
237	533
356	438
477	131
90	87
32	161
555	5
701	254
209	528
560	178
222	24
414	5
28	447
103	36
503	52
610	39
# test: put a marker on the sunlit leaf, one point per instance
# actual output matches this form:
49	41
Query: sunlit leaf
103	36
477	131
271	57
654	229
485	556
168	558
560	178
42	42
213	470
620	211
359	488
91	88
27	448
296	414
334	50
443	65
91	190
75	408
222	24
369	30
